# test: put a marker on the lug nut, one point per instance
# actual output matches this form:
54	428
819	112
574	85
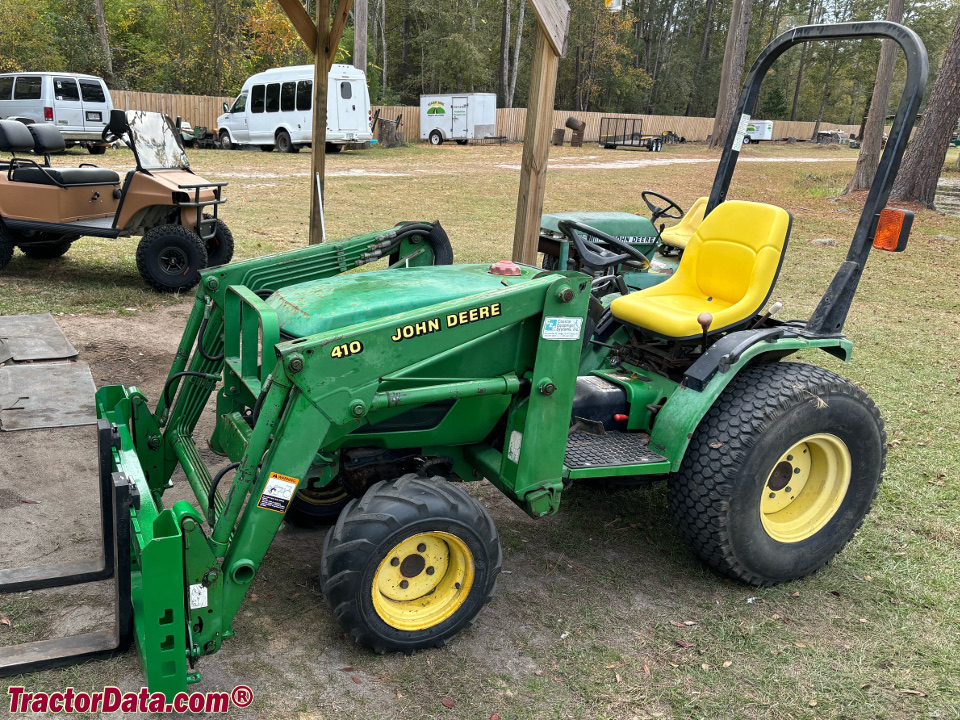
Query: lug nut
773	495
789	458
430	570
788	489
404	584
796	471
395	562
421	548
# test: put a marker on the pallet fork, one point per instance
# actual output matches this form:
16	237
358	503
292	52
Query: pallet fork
117	495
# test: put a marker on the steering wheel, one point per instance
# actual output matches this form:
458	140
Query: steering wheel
659	212
593	254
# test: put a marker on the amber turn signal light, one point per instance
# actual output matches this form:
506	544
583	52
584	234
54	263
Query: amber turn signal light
893	230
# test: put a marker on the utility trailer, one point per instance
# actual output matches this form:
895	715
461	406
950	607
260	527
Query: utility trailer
627	132
464	117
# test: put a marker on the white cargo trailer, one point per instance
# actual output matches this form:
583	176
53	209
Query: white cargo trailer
758	130
469	116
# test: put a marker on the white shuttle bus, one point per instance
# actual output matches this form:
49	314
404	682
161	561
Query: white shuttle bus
275	109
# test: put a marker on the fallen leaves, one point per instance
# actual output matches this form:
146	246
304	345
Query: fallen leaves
683	624
5	621
914	692
799	644
448	703
727	663
357	680
30	502
684	644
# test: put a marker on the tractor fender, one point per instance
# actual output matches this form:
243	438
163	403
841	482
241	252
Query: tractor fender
707	378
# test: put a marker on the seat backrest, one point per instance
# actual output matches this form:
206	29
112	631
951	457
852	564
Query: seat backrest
691	221
737	251
15	137
46	139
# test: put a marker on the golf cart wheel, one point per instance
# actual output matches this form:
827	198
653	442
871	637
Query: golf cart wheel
284	143
410	564
220	246
6	246
170	258
47	251
313	508
225	142
780	473
96	149
436	138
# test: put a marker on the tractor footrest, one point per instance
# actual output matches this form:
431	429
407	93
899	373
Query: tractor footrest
610	450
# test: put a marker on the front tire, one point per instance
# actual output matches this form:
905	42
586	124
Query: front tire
410	564
220	246
436	138
170	258
780	473
96	149
225	142
6	247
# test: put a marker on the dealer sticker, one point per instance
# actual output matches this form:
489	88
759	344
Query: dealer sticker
278	493
198	597
741	132
561	328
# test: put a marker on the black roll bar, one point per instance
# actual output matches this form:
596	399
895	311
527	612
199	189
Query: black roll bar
831	313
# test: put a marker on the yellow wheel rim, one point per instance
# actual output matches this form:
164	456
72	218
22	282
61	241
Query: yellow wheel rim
805	488
423	581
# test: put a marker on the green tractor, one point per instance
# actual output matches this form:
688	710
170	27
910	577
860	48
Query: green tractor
366	398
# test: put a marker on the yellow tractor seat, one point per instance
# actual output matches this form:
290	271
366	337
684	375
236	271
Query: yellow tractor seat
729	269
679	235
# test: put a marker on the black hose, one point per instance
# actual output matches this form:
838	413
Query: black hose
200	349
212	501
258	405
264	293
166	387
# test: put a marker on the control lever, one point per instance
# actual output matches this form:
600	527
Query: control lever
705	320
774	309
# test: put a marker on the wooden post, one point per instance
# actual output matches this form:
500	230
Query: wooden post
321	67
536	149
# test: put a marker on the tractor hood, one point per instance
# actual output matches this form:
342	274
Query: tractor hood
624	225
323	305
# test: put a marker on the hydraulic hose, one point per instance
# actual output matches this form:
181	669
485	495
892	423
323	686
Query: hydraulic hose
212	500
191	373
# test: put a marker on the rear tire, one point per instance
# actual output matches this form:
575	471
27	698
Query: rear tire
284	143
47	251
220	246
316	508
170	258
6	247
410	564
775	426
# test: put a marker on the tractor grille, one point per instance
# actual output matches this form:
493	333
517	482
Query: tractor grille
610	450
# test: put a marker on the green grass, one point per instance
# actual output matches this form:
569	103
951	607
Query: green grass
582	626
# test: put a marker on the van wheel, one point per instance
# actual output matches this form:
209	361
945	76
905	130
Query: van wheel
436	138
96	149
225	142
170	258
6	247
220	246
284	143
47	251
333	149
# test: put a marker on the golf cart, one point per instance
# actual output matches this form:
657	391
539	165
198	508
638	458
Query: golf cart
44	209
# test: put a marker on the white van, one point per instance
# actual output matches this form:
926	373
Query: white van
78	105
275	109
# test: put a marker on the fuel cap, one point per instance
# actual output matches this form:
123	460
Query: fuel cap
505	267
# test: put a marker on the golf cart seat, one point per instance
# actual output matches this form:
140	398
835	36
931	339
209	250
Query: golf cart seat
15	137
729	269
679	235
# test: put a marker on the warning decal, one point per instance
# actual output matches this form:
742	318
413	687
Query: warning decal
278	493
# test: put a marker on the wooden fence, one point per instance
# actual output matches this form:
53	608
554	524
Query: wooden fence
511	122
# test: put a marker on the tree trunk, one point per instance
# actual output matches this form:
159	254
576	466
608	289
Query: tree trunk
828	84
733	60
360	35
704	53
872	133
923	161
104	42
383	43
803	56
516	55
503	76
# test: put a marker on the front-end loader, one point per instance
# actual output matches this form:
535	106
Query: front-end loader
366	398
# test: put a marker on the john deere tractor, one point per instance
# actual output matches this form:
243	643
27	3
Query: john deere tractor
367	398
